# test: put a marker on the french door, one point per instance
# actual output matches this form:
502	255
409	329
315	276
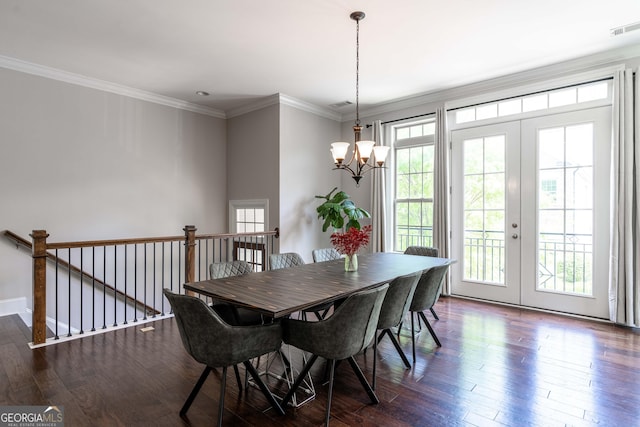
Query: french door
530	211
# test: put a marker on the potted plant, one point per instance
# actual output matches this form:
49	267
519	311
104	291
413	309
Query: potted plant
339	211
338	208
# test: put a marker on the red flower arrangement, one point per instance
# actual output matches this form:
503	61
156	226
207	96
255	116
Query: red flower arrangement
350	242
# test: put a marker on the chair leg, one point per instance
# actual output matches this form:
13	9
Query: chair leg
363	380
301	375
435	316
265	390
223	386
433	334
195	390
375	359
396	344
332	369
413	339
235	369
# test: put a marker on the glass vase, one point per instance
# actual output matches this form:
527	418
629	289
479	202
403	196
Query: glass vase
351	262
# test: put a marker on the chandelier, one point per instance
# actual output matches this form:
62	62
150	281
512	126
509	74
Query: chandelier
359	163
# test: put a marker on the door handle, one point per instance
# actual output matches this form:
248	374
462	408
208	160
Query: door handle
514	235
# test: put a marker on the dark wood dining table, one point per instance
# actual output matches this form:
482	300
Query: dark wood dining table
278	293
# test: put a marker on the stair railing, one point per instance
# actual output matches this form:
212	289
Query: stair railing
107	284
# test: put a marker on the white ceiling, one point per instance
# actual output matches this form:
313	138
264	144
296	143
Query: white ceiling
243	50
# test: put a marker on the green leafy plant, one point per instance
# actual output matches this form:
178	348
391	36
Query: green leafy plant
338	209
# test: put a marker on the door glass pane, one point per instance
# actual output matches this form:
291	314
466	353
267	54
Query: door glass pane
484	209
565	209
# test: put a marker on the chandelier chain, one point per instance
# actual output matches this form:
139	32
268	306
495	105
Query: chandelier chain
357	72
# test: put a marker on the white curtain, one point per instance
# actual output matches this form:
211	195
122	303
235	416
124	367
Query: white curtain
624	277
378	213
441	192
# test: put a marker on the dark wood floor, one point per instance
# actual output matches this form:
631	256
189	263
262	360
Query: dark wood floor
499	366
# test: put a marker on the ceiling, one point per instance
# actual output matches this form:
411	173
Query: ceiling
243	50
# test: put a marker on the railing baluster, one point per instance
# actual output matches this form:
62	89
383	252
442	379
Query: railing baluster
104	287
163	268
135	283
145	282
81	290
180	259
93	288
57	295
125	285
115	285
154	279
69	292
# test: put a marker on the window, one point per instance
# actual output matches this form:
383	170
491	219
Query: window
249	216
413	187
551	99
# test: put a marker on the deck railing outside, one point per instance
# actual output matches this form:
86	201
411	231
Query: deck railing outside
96	285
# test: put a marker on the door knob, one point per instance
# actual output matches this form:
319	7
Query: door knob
514	235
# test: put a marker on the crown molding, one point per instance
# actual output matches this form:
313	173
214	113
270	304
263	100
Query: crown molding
552	71
80	80
310	108
281	99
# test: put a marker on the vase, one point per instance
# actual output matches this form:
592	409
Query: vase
351	262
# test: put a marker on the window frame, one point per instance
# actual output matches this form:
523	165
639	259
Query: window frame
400	144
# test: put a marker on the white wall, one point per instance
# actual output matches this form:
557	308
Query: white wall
306	171
85	164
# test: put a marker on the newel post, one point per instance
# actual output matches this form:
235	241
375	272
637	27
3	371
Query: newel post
39	315
190	254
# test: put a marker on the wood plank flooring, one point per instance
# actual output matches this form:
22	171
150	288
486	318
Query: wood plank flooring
499	366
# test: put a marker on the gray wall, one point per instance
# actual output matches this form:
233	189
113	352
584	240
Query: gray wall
281	153
305	172
253	158
86	164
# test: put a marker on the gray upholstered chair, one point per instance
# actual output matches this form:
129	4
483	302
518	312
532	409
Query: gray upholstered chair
214	343
425	296
424	251
346	333
218	270
238	316
285	260
325	254
394	308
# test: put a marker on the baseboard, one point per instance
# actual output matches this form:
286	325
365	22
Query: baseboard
13	306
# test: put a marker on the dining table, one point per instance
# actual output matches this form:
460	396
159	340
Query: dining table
282	292
279	293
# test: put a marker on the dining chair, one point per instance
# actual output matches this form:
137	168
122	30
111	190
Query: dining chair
424	251
425	296
285	260
347	332
325	254
237	316
394	308
293	259
214	343
231	314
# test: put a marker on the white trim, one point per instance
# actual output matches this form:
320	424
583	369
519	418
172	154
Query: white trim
80	80
523	78
249	203
75	336
281	99
536	87
13	306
